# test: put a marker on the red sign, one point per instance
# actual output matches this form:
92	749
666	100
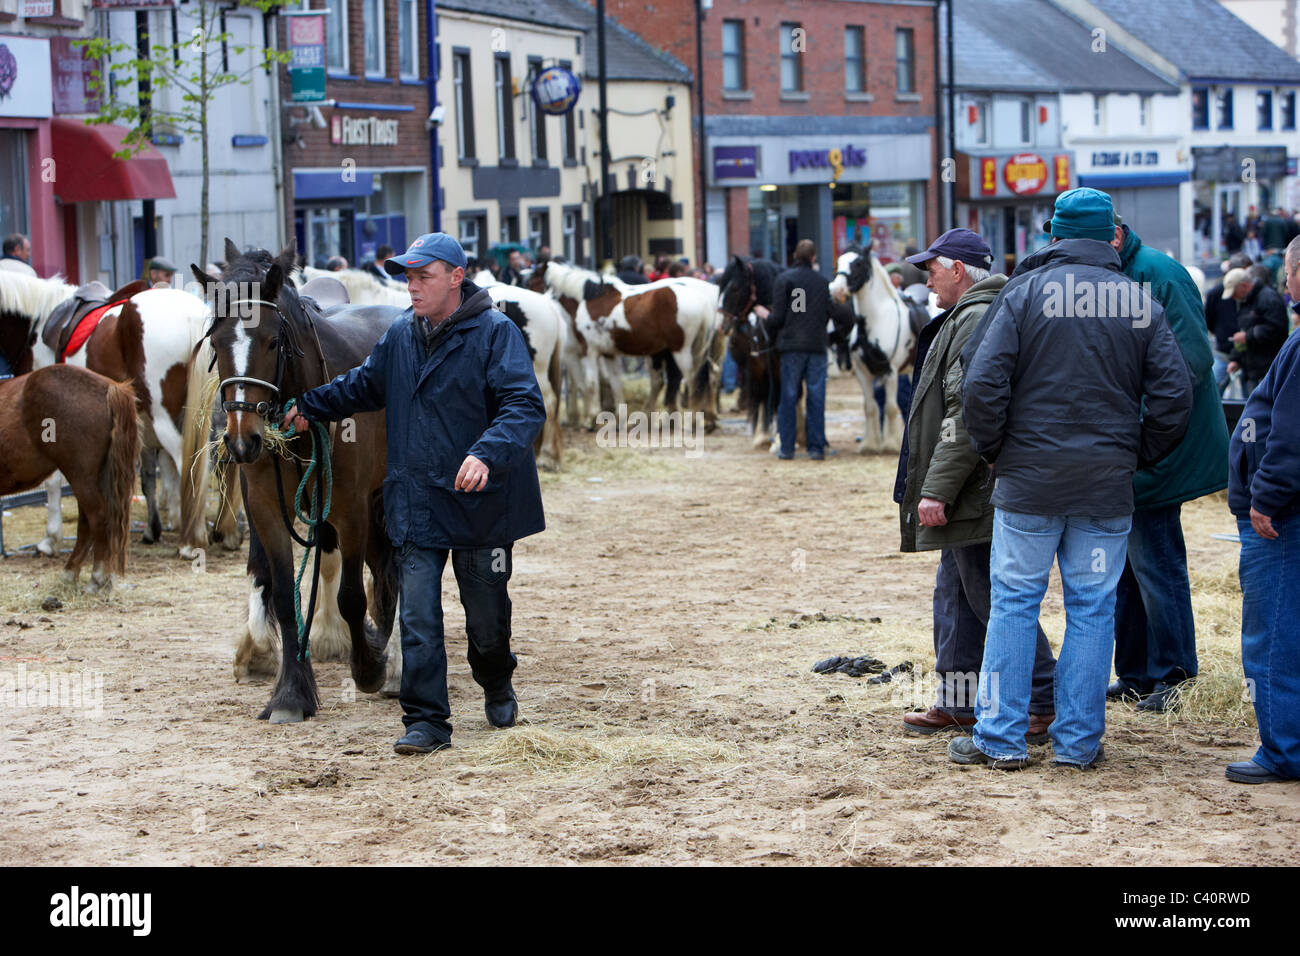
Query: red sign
988	176
1025	173
72	74
1061	164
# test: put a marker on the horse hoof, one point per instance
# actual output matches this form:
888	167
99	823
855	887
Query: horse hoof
46	547
282	715
187	552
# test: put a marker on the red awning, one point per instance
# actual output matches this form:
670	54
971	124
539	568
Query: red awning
86	170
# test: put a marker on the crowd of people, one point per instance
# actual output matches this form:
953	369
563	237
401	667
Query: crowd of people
1022	386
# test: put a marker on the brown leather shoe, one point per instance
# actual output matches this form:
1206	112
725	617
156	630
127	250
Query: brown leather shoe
934	721
1038	725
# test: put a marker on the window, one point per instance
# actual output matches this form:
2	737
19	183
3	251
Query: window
460	80
409	37
791	63
336	36
537	128
733	54
1144	111
855	61
372	13
1223	109
977	117
509	228
571	236
1200	107
539	230
1288	110
570	127
1098	111
1264	109
904	61
505	112
471	231
1027	121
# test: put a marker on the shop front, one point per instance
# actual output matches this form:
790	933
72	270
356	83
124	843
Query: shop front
1007	196
1143	180
836	190
1228	182
27	173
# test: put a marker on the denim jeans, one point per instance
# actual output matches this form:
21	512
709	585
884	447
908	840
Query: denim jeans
961	616
1090	552
798	367
1221	361
1155	635
481	575
1270	640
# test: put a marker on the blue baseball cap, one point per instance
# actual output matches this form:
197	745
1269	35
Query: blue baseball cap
959	244
427	248
1082	213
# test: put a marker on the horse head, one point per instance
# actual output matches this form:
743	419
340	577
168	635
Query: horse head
257	320
739	292
537	278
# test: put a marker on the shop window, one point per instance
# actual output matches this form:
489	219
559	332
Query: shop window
463	90
1098	111
905	60
409	38
733	54
792	45
571	236
372	20
13	184
1288	110
1264	110
1223	109
1201	107
505	107
336	44
1027	121
977	118
855	60
1144	112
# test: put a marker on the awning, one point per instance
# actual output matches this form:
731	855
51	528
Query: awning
87	171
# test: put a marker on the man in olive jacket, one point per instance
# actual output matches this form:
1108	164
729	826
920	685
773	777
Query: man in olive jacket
944	490
1155	634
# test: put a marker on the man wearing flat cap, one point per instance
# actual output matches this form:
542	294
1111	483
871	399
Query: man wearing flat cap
944	491
1261	327
161	272
463	410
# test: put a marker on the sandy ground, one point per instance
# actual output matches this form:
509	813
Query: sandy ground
666	637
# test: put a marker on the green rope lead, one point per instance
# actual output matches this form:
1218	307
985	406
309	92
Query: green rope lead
320	458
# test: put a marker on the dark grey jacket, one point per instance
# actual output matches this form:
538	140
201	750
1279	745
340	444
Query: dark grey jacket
1068	402
801	300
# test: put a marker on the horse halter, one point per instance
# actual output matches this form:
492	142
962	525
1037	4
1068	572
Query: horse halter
281	360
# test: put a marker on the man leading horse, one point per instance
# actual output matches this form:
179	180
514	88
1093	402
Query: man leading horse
463	410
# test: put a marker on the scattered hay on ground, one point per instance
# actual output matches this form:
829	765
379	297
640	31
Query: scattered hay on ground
538	751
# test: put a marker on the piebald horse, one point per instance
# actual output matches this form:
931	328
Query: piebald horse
882	342
148	340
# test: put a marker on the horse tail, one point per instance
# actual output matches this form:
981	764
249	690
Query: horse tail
195	465
117	473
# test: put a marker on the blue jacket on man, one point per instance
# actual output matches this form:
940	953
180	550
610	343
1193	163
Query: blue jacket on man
475	394
1264	457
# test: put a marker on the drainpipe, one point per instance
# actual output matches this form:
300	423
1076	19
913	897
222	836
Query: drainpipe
435	178
952	119
701	254
606	201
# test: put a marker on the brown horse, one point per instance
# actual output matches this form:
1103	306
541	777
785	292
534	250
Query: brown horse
64	418
271	345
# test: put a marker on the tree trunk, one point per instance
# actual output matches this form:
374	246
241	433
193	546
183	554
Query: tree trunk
203	136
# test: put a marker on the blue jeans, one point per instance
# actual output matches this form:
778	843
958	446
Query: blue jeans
730	372
961	617
1090	552
1270	640
809	367
481	575
1221	361
1155	634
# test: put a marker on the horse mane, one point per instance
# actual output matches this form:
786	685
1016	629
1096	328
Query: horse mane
572	280
32	297
251	267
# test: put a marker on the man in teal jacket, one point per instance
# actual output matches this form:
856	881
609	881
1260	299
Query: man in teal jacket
1155	636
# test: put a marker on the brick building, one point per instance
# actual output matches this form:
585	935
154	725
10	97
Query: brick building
357	166
819	119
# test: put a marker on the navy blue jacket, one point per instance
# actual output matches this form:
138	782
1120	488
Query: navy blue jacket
1264	457
476	394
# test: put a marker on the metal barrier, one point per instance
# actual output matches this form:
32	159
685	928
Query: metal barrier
25	500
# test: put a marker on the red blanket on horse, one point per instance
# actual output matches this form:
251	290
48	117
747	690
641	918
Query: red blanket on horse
85	328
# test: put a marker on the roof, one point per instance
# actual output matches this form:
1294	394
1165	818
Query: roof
1204	39
627	56
1047	50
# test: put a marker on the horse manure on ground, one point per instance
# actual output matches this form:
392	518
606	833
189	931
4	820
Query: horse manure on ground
889	675
853	666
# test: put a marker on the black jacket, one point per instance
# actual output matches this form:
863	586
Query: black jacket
1054	394
1221	318
628	277
801	300
1263	318
1264	457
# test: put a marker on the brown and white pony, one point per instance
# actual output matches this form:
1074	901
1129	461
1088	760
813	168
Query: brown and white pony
82	424
147	340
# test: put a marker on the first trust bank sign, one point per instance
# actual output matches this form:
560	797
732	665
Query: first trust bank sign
362	131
